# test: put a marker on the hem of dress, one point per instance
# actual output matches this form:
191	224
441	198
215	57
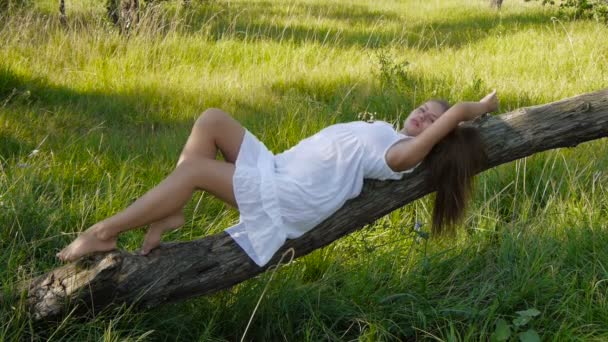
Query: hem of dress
260	239
239	235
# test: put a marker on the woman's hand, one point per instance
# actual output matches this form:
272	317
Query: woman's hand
490	101
472	110
467	111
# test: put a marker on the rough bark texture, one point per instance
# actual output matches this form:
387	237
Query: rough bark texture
177	271
496	4
129	14
112	10
63	19
124	13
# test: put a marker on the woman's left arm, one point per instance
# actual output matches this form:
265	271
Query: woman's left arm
415	150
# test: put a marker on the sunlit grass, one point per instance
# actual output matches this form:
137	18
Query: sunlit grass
109	113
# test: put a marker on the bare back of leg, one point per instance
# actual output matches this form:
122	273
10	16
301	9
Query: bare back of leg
197	169
213	130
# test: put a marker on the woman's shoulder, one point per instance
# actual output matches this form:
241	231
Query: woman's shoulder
362	126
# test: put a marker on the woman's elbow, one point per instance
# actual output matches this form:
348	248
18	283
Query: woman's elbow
406	162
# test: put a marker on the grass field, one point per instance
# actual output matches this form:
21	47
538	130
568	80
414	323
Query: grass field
108	114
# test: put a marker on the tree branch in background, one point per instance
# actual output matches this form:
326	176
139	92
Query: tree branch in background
123	13
496	4
63	19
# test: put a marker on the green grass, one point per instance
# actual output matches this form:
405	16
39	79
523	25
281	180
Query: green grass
109	115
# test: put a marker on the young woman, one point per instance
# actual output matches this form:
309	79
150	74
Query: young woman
285	195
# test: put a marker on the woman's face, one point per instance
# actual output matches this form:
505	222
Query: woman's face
422	117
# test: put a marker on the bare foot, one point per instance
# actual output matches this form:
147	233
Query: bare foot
88	242
158	228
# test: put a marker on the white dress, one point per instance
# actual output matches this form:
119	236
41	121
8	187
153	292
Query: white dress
285	195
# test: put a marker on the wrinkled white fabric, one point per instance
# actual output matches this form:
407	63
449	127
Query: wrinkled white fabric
284	196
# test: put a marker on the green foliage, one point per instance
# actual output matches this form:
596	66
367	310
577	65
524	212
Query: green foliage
582	9
502	332
393	74
505	331
529	335
108	115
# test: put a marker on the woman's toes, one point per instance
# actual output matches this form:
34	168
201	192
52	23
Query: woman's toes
86	243
151	241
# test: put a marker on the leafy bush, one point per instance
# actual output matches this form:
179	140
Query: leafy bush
506	332
583	9
394	74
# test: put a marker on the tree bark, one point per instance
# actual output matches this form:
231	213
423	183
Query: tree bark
112	10
124	13
496	4
177	271
63	19
129	15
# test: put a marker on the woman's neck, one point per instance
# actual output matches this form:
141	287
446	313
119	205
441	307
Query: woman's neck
403	131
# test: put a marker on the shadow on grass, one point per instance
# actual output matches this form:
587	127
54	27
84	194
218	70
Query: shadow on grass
148	109
331	24
339	25
11	146
348	26
128	107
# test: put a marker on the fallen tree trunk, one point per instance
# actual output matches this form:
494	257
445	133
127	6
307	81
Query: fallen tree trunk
176	271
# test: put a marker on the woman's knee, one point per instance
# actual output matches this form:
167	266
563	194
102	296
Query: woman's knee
221	131
211	116
214	176
189	169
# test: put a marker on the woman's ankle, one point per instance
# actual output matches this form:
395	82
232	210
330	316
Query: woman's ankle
103	232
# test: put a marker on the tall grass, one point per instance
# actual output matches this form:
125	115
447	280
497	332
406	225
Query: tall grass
108	114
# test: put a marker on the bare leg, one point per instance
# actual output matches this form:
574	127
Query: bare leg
203	142
158	228
163	204
162	201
